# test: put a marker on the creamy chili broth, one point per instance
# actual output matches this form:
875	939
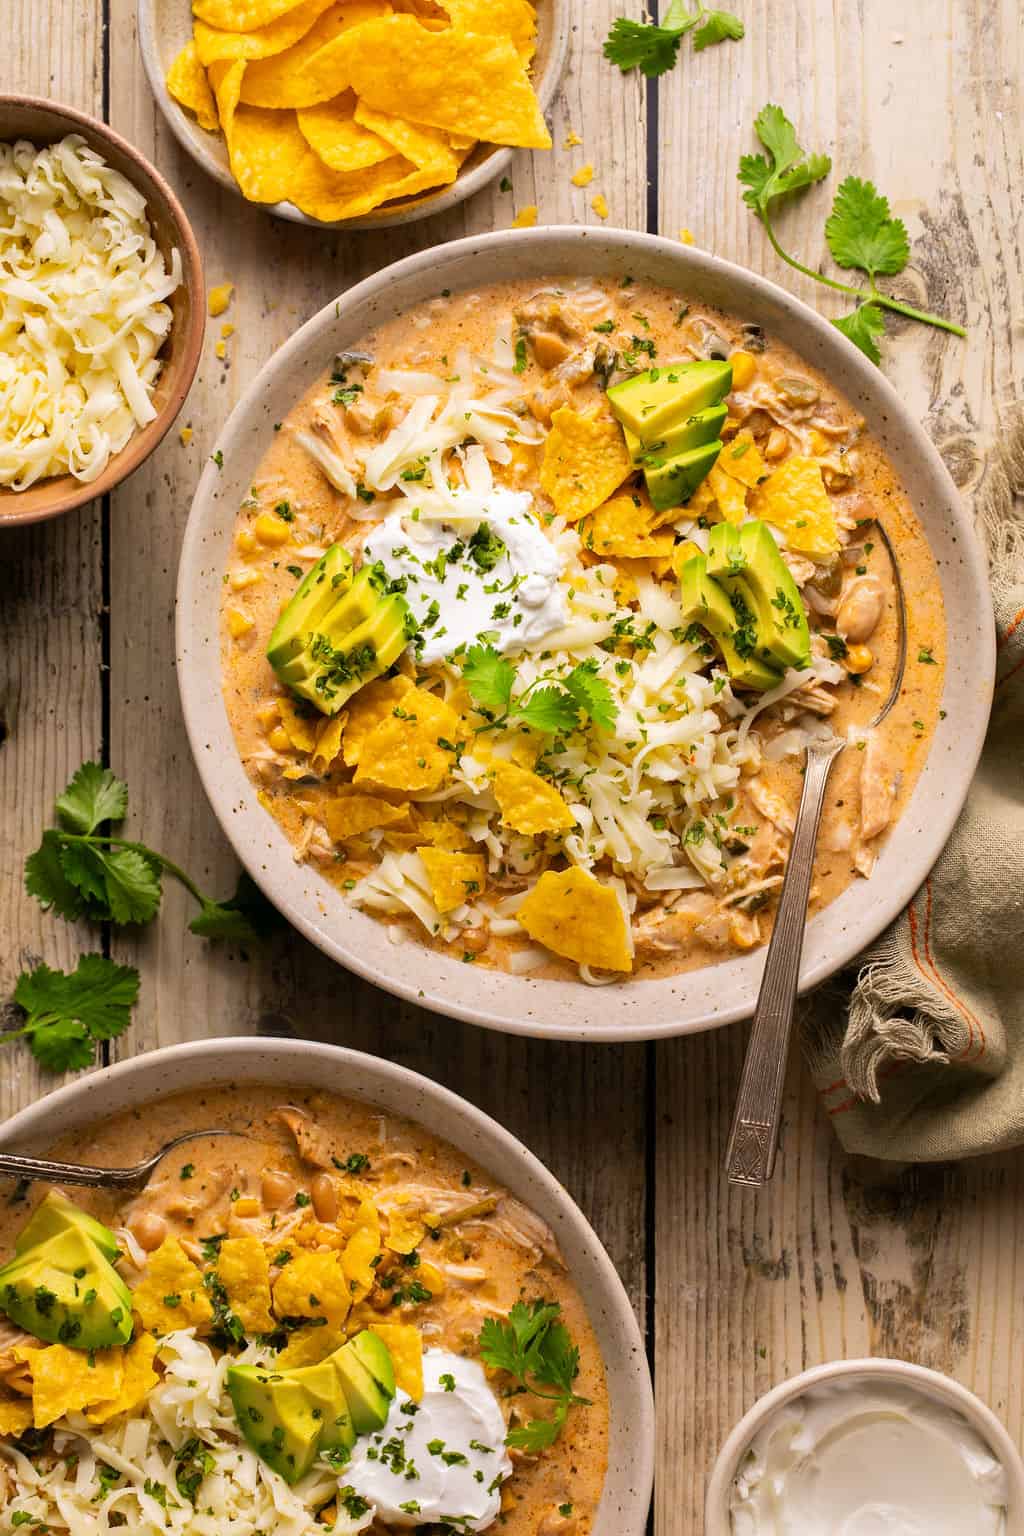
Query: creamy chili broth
299	1148
559	333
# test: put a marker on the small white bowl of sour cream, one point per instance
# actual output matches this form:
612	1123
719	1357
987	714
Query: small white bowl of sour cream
868	1448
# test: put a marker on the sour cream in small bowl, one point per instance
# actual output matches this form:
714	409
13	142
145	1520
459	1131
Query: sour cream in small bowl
868	1448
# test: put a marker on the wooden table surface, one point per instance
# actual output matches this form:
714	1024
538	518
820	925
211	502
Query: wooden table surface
736	1292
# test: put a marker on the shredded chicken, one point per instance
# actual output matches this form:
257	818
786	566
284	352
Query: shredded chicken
877	789
311	1141
772	806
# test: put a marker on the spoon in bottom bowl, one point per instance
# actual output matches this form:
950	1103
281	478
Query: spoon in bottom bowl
754	1139
15	1167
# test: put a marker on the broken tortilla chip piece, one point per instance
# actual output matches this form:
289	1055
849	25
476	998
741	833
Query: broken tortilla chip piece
187	83
730	495
514	19
244	1272
625	526
306	74
352	815
414	750
138	1381
405	1346
68	1380
300	725
741	458
529	803
240	15
333	131
573	914
358	1258
585	461
313	1285
794	500
171	1294
308	1346
454	877
15	1416
213	44
426	148
328	742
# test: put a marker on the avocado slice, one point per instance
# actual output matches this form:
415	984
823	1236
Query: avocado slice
747	563
314	597
368	1401
351	608
705	603
278	1417
694	432
650	403
64	1291
673	482
370	1349
56	1214
330	1405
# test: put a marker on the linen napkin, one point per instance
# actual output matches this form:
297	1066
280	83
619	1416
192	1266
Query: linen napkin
924	1062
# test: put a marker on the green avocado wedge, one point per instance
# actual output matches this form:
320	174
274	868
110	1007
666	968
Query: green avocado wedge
707	605
64	1291
317	593
671	482
278	1417
746	561
55	1214
650	404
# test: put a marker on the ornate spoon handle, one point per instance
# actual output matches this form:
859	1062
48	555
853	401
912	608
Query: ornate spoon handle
750	1158
15	1167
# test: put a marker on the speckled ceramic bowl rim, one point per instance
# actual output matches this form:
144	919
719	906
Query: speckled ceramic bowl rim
629	1010
210	1063
207	151
717	1521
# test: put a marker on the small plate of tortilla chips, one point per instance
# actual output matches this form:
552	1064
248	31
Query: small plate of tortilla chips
355	112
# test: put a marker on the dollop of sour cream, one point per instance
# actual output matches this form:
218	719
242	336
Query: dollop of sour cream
862	1458
491	576
442	1459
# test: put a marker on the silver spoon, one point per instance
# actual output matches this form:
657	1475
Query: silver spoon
753	1142
14	1167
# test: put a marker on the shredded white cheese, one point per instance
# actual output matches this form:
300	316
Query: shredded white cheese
83	315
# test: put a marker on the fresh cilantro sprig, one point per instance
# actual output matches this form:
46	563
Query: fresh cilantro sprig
81	869
861	232
67	1015
534	1347
654	48
554	706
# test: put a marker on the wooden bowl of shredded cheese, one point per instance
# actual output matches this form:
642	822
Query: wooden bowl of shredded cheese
102	307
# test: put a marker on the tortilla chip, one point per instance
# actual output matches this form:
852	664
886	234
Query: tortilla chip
240	15
625	525
406	753
308	1346
405	1346
171	1294
138	1381
426	148
514	19
243	1271
301	725
405	1230
333	131
574	915
290	78
472	84
529	803
441	832
454	877
794	500
741	458
328	742
352	815
585	460
331	195
730	496
187	83
313	1285
68	1380
15	1416
264	42
358	1258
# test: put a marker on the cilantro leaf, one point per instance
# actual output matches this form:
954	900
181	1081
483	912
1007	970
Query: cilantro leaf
535	1348
862	233
246	917
84	869
539	1434
717	27
93	796
68	1013
787	168
132	884
549	709
559	1359
46	881
592	695
489	678
864	327
638	45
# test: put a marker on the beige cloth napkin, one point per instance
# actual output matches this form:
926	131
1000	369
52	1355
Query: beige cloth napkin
925	1061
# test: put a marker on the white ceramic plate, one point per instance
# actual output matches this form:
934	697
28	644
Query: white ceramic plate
183	1068
165	26
629	1010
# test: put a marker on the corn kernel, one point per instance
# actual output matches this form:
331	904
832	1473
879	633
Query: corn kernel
239	623
246	541
819	443
432	1278
778	442
268	715
583	177
858	659
219	298
186	436
744	935
686	236
743	369
227	329
279	739
247	1206
600	205
239	580
271	530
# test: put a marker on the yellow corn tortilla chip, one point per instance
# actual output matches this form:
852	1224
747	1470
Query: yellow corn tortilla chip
454	877
330	195
441	833
187	83
308	1346
730	495
529	803
473	85
585	460
244	1272
290	78
573	914
171	1274
15	1416
213	44
625	525
514	19
138	1381
357	1260
406	753
265	149
741	458
301	726
351	815
68	1380
405	1230
240	15
426	148
358	1208
313	1285
333	131
328	742
405	1346
794	500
